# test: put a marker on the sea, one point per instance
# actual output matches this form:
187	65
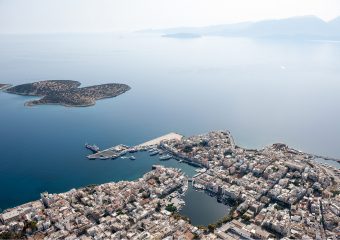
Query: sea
263	91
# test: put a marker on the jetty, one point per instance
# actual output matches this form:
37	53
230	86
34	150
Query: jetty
119	150
112	152
157	141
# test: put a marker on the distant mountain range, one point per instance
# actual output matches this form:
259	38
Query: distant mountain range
306	27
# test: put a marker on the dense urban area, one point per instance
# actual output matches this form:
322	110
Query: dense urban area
276	192
67	92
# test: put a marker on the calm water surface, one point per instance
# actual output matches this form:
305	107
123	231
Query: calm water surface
262	91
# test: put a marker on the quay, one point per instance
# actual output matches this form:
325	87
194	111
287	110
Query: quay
112	152
121	149
157	141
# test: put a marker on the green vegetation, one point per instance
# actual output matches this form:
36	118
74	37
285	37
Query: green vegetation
32	225
335	192
187	149
195	236
204	143
178	216
171	208
120	212
10	235
228	152
203	228
278	207
211	227
146	194
296	182
157	180
246	218
19	235
158	207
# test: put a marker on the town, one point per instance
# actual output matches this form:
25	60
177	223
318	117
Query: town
276	192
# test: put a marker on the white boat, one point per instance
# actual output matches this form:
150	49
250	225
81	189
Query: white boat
154	153
166	157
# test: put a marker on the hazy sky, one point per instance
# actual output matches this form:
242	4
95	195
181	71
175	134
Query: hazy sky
30	16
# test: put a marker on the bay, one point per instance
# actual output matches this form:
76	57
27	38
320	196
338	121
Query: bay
262	91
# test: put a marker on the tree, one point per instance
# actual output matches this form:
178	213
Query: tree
171	208
187	149
158	207
211	227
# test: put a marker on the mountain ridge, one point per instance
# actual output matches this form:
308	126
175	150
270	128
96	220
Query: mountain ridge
305	27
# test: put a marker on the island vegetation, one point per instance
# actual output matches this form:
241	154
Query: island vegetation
67	92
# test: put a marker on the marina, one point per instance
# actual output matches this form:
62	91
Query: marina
120	150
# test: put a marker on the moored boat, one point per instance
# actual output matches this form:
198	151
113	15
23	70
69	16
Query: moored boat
154	153
93	148
166	157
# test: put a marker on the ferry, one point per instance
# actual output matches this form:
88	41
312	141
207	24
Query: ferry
166	157
154	153
93	148
132	150
132	158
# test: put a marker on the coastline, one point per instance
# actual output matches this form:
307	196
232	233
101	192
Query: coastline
190	162
3	87
228	178
57	92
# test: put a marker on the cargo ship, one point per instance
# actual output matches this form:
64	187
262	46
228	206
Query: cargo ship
93	148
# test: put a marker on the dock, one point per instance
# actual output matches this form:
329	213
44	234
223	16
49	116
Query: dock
112	152
121	149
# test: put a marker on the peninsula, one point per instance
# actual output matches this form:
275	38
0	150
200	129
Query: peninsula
273	193
67	92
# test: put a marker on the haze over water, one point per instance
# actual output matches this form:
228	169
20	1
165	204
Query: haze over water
262	91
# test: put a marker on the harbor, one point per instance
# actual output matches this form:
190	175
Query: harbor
120	150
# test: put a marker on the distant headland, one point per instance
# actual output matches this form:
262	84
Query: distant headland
67	92
182	35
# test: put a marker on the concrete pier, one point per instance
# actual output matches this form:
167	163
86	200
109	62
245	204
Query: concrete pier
119	150
112	152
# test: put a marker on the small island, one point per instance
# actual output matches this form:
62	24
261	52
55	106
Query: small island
67	92
182	35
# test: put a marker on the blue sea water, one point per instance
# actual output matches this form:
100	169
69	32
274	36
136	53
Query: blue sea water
262	91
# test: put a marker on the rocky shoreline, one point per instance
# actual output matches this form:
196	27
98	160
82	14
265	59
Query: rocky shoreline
67	92
4	86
